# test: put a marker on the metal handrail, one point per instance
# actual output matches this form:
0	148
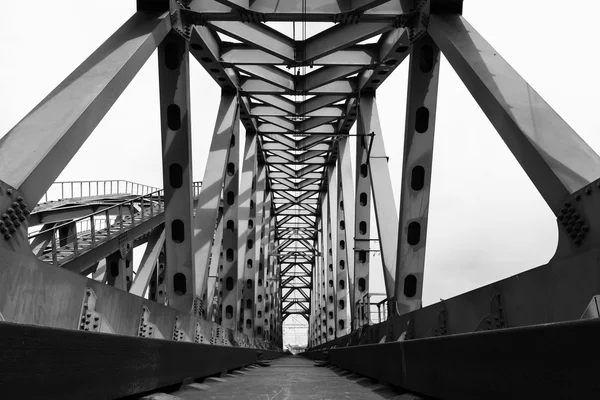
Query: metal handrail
102	188
364	304
103	211
154	198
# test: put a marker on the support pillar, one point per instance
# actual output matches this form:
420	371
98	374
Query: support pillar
119	270
230	287
362	225
263	215
332	245
215	268
149	262
419	132
345	261
384	205
207	209
174	81
248	263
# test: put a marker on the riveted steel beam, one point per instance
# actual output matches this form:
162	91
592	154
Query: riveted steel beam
62	122
174	83
263	206
554	157
416	173
149	263
384	205
290	10
270	74
341	36
242	54
325	75
207	209
216	266
247	261
345	260
332	245
362	227
229	315
259	35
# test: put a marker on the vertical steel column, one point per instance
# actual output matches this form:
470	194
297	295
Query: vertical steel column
322	288
555	158
149	262
247	264
216	266
218	310
416	173
362	223
119	270
174	81
314	303
270	283
230	234
277	306
317	285
324	263
332	243
262	216
345	262
209	198
383	195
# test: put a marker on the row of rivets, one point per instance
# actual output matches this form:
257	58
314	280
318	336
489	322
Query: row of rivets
14	215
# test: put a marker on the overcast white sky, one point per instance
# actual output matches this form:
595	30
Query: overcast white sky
487	221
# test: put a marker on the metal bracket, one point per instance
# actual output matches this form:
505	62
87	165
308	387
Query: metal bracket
409	333
219	336
198	335
91	320
124	245
197	305
14	218
442	328
496	319
148	329
573	222
593	309
179	334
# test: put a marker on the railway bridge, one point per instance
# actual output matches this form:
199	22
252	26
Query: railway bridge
111	289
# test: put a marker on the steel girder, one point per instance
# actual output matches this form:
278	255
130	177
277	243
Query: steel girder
174	82
416	174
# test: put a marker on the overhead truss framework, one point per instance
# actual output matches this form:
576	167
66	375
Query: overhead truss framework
286	229
301	96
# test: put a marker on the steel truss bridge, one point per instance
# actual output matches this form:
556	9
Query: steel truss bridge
282	226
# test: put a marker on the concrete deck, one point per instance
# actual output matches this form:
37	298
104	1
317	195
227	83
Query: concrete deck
289	378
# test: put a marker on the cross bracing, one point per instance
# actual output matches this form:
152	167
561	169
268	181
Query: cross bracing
281	224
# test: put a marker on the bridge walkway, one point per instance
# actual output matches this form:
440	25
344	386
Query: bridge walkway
290	378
